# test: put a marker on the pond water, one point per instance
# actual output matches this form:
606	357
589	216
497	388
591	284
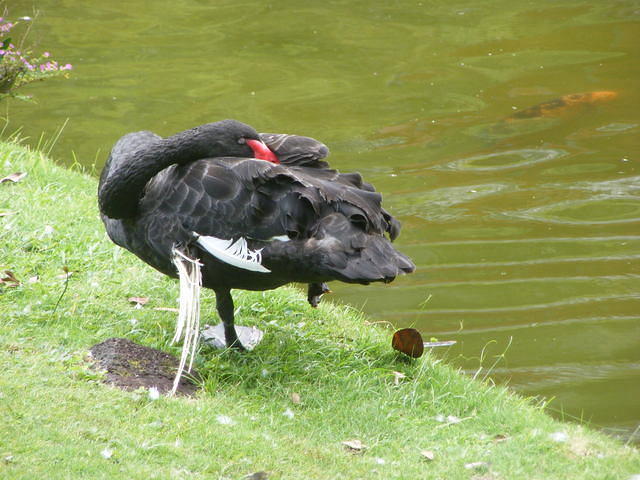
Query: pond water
525	226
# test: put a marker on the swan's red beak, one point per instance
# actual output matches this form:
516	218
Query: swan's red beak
261	151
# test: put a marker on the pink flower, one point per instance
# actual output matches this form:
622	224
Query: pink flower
68	66
48	67
46	54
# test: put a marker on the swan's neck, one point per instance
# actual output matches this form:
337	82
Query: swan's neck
137	158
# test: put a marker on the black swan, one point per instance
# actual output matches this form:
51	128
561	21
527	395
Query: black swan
257	210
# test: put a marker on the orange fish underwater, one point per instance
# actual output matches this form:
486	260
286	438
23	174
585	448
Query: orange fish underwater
561	105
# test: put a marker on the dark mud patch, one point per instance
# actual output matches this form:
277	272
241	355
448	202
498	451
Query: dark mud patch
130	366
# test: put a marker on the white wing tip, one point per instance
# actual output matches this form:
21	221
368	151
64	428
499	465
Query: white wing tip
237	254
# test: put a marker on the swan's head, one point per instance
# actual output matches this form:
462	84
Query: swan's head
237	139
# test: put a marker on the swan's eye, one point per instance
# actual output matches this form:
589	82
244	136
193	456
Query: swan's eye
242	140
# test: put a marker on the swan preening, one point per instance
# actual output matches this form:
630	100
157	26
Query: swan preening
257	211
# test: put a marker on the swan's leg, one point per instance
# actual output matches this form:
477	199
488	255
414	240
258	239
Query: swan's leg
315	292
226	334
225	310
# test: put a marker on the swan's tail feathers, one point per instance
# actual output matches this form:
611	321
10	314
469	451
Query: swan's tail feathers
188	325
236	253
355	256
378	261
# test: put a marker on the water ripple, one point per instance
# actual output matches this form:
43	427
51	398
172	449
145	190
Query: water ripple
561	323
540	261
617	187
504	160
601	209
443	204
544	376
533	240
514	308
617	127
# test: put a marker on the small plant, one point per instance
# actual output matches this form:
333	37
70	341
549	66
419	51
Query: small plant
19	65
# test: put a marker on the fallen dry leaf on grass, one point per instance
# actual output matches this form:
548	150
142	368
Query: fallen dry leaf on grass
408	341
139	301
580	447
166	309
500	438
397	376
476	465
428	455
65	275
9	279
257	476
295	398
225	420
6	214
354	446
559	436
14	177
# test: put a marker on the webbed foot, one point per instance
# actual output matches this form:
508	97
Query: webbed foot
242	339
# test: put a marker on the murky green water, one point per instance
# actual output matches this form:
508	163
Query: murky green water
526	232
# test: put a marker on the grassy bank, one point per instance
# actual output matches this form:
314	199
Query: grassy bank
319	378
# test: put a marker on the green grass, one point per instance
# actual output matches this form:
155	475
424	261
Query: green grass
60	421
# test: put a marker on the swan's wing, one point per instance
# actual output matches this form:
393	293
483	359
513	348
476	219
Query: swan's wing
327	208
226	198
296	220
231	197
296	150
299	151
